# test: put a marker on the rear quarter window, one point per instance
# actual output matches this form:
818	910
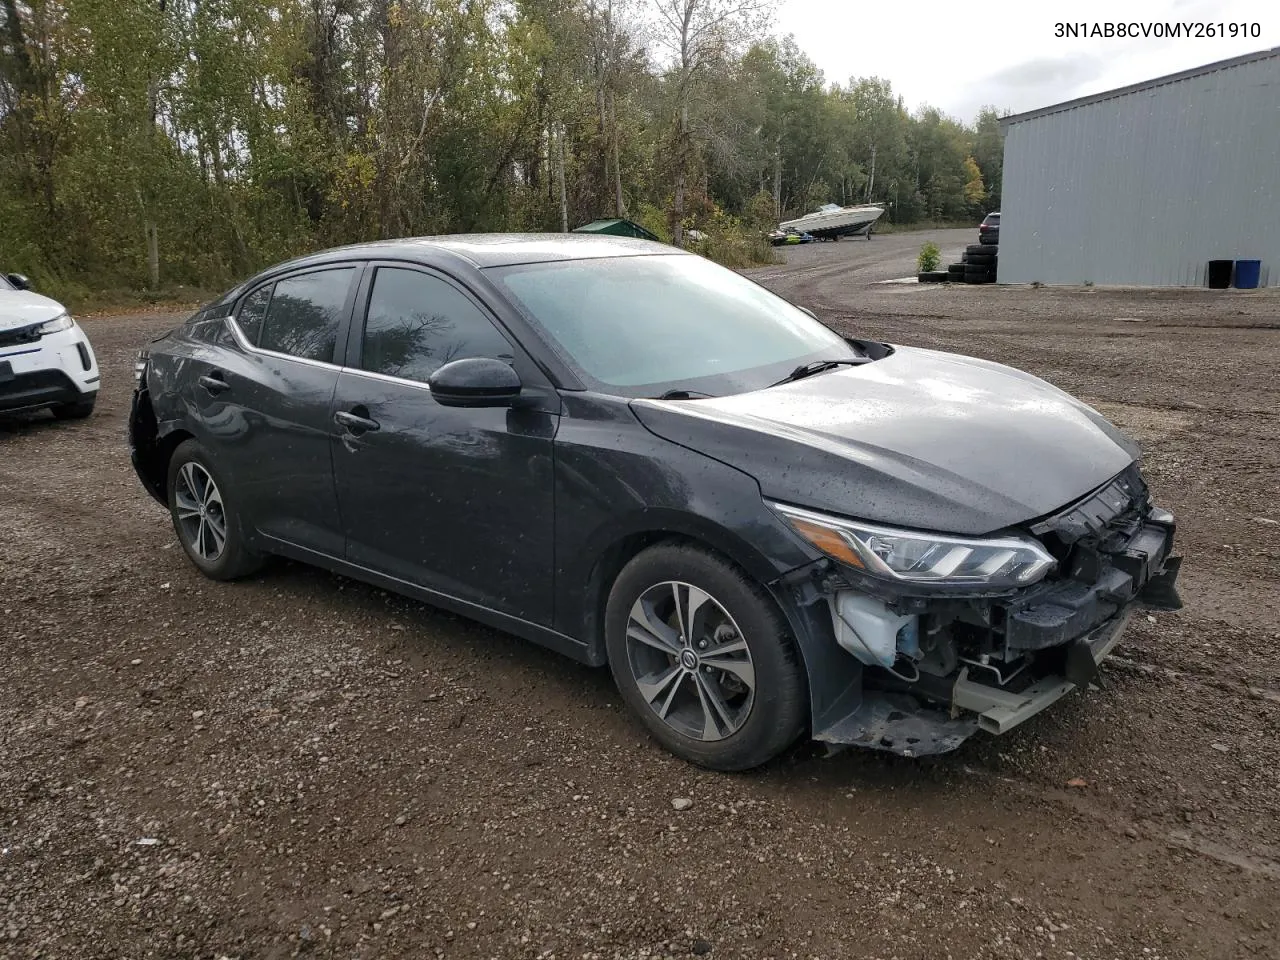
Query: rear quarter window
253	309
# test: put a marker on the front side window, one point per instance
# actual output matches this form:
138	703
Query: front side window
304	313
418	322
644	324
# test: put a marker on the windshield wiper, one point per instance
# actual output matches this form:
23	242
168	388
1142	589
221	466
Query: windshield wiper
817	366
684	395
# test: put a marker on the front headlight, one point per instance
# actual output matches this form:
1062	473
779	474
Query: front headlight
925	558
140	365
56	325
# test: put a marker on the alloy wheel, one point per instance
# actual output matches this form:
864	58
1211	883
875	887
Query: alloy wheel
690	661
202	517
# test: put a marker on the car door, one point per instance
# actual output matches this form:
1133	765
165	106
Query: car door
455	500
263	404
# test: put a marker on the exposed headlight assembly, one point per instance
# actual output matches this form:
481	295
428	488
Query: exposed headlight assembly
140	365
59	323
907	556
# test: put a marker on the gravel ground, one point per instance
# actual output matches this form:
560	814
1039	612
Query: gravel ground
299	765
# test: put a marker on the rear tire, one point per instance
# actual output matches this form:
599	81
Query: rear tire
205	517
77	410
677	613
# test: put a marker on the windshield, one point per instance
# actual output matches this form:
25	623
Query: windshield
640	326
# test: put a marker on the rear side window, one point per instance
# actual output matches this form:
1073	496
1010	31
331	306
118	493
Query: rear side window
303	315
418	322
253	309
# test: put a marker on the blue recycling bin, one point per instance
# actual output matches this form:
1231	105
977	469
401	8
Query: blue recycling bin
1247	274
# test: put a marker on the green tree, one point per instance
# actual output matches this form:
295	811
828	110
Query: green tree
146	142
988	151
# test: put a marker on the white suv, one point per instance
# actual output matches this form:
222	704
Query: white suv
45	358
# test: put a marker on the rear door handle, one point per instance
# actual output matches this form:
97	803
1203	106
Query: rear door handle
356	423
214	383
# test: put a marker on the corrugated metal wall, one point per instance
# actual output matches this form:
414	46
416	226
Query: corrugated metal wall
1147	187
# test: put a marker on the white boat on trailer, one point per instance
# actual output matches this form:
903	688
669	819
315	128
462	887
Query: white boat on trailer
832	221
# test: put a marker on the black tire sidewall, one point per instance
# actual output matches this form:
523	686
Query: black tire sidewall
780	709
235	560
76	410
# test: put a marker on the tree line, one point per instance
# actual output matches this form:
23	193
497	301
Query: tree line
148	142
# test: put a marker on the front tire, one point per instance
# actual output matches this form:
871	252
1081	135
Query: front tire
704	658
77	410
204	517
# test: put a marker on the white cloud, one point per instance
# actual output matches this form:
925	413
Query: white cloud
962	54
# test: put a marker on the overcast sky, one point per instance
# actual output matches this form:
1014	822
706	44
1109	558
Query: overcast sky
959	55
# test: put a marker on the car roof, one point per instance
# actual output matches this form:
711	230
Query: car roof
500	249
478	249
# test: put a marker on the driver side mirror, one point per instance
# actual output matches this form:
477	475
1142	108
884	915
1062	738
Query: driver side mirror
19	281
475	382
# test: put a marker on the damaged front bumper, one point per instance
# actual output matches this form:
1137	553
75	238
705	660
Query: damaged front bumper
991	663
998	710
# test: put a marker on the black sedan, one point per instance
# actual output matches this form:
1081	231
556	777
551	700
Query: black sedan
641	459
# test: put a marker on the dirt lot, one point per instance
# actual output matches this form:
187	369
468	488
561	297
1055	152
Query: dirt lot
327	770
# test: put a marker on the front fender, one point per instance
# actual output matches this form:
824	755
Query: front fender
620	487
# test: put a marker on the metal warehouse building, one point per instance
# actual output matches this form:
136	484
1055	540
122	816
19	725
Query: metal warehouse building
1146	184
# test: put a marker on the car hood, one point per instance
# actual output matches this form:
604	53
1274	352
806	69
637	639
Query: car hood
921	439
18	308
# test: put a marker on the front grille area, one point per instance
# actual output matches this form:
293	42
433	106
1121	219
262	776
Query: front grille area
36	389
1108	546
1125	496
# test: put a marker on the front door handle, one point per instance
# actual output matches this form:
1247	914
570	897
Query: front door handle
356	423
214	383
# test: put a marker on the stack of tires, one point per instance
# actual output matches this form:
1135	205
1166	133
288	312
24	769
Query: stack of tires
979	265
